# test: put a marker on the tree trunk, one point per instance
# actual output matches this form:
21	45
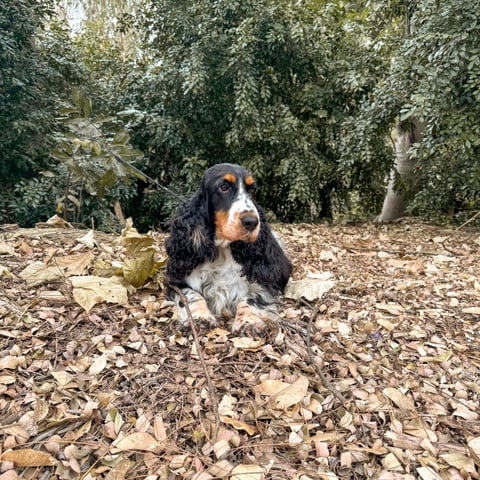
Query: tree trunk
395	202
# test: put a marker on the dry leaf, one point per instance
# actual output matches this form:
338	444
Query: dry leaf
309	288
138	441
460	461
37	273
74	264
291	395
6	249
58	222
226	404
472	310
28	457
474	449
98	365
247	472
398	398
90	290
427	473
120	470
247	343
88	239
239	425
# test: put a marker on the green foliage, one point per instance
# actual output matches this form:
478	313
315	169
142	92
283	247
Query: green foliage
303	93
96	157
434	80
37	68
260	83
25	110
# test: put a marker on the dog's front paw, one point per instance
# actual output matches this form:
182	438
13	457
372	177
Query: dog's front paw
202	324
248	321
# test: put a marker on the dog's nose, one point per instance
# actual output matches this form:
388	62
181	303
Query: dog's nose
249	222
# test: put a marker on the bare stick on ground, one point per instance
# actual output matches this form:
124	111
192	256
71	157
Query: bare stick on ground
464	224
211	387
325	382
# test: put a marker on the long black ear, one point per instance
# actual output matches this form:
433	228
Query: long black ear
191	240
264	260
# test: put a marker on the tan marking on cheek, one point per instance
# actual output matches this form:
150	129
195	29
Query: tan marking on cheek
230	177
221	221
249	180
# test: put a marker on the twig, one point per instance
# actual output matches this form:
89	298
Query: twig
464	224
325	382
400	253
211	387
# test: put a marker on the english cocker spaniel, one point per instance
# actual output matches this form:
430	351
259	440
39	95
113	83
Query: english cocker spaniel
223	255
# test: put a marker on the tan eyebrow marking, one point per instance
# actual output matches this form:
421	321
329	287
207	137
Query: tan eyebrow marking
249	180
230	177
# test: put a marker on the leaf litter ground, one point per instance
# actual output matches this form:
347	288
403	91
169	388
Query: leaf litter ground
118	393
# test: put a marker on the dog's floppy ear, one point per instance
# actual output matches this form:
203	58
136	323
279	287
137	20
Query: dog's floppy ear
191	239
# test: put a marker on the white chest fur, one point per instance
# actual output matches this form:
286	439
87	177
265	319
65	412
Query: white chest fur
221	283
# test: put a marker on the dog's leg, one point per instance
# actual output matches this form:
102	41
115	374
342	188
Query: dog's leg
201	314
253	320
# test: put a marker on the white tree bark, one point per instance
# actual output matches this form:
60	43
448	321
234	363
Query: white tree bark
395	202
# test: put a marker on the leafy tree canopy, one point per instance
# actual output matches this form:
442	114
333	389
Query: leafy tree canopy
261	83
434	80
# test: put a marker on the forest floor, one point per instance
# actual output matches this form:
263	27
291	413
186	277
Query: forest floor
379	378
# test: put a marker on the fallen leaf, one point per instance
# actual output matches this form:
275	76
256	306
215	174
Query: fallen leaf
427	473
238	425
28	457
398	398
74	264
247	343
247	472
474	449
460	461
37	273
120	470
6	249
98	365
291	395
138	441
90	290
88	239
309	288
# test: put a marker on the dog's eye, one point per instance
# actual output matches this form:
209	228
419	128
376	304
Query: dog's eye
224	187
252	188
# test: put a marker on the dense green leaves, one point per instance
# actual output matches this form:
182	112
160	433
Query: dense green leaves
434	79
25	110
256	83
307	94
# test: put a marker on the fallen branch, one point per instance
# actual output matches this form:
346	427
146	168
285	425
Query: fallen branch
325	382
211	387
464	224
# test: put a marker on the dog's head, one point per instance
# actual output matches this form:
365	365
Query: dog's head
229	190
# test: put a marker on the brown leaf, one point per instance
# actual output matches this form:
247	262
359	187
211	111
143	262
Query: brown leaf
398	398
239	425
138	441
90	290
247	472
28	457
120	470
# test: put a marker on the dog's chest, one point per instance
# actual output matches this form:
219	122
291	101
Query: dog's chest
220	282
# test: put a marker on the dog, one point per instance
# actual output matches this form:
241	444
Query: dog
224	257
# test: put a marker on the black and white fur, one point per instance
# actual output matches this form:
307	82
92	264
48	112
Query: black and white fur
224	256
